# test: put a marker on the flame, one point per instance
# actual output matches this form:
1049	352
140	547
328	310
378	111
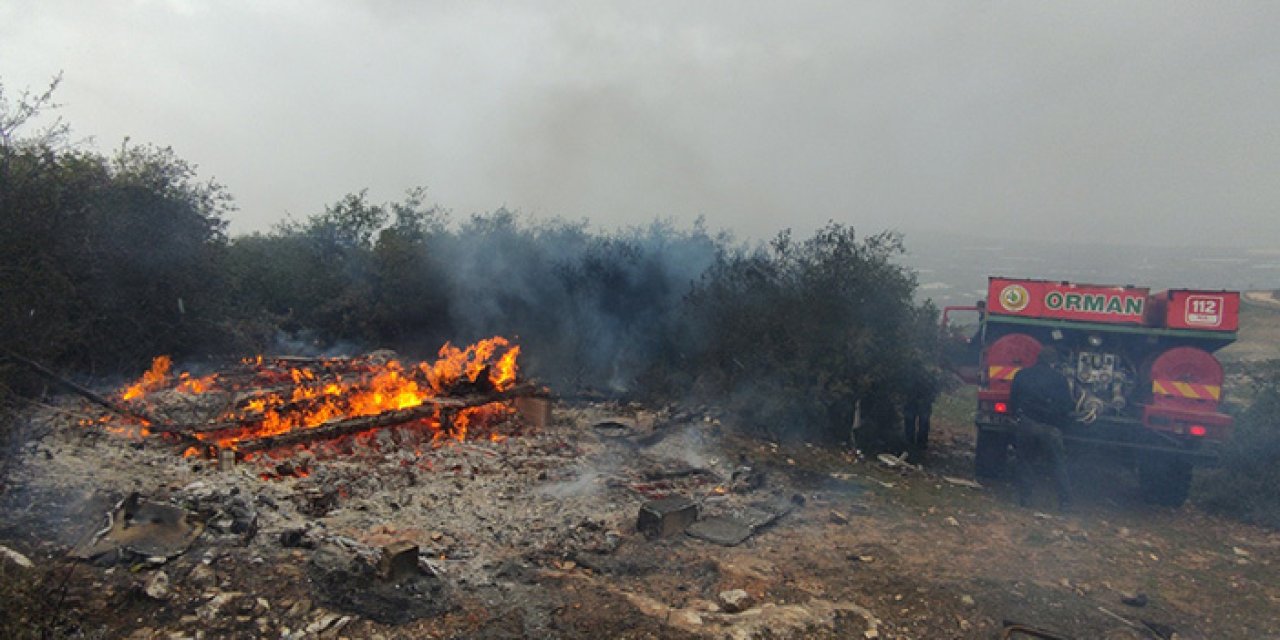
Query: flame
154	378
456	365
341	389
197	386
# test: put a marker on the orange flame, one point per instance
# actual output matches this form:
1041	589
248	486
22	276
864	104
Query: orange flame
152	379
187	384
353	389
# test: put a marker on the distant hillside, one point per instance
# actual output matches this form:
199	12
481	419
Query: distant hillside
1259	329
954	269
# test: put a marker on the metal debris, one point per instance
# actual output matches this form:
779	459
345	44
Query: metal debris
666	517
142	528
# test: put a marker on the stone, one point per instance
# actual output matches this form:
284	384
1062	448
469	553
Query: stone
735	600
16	558
1135	599
665	517
203	576
210	610
157	587
721	530
295	538
299	608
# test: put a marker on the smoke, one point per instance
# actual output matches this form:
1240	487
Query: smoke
585	482
590	309
309	344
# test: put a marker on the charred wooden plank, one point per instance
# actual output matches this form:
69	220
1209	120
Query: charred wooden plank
429	408
331	430
79	390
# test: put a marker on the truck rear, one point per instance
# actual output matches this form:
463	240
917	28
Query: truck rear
1140	364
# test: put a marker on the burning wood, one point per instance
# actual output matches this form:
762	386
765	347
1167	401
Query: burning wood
273	402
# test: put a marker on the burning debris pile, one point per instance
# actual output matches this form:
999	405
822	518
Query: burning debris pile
339	495
269	404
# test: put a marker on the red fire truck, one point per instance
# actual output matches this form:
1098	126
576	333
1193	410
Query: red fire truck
1140	364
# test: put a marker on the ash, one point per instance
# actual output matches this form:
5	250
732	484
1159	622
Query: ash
295	543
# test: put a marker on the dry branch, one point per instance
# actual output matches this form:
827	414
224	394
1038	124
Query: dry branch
77	389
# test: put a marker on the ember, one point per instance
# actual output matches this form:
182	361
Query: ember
272	402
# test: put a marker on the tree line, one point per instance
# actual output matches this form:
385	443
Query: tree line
107	259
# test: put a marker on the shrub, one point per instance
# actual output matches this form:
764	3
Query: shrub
1244	486
803	335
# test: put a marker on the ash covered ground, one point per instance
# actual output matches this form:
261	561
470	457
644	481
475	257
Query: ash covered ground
394	536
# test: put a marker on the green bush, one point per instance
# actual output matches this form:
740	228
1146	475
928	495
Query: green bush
801	336
1245	485
104	260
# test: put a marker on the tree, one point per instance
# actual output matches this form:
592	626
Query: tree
104	261
803	334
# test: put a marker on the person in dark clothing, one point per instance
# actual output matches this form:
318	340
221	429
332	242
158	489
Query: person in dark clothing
915	418
918	407
1041	401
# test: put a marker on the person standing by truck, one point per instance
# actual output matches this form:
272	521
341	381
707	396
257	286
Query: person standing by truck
917	409
1040	399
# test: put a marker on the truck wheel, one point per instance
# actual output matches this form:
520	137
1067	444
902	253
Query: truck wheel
991	455
1164	479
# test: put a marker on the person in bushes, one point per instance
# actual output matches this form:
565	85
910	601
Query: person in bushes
1040	399
918	408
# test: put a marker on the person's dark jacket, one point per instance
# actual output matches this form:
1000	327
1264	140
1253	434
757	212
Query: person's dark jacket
1041	394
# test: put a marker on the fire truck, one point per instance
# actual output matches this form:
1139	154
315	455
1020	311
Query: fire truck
1140	365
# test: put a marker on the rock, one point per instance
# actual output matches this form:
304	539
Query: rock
322	623
348	583
299	608
1135	600
157	587
690	618
203	576
209	611
735	600
337	627
721	530
961	482
951	521
16	558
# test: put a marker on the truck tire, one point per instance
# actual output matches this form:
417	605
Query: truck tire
991	455
1164	479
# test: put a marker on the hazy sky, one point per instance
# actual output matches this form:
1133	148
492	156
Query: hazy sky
1153	122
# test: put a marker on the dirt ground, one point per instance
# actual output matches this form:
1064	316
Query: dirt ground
535	537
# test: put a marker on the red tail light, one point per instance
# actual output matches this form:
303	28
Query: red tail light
1003	407
1198	430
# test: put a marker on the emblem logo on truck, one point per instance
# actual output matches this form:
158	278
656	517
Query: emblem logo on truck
1014	298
